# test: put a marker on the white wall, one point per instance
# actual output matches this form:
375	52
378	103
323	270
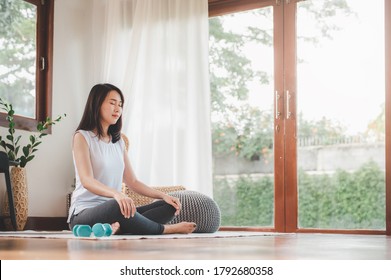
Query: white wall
50	175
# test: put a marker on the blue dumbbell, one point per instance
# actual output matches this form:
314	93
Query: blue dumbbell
98	229
82	230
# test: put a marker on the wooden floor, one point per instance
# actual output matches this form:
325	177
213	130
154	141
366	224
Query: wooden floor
303	246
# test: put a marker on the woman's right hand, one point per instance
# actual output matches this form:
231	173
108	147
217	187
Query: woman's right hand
126	205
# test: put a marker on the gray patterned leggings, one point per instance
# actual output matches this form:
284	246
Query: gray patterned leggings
148	220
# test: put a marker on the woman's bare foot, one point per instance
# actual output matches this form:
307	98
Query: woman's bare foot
183	227
115	227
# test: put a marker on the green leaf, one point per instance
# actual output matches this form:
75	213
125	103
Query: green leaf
26	151
2	143
23	161
30	158
36	144
11	147
40	126
32	139
17	139
10	137
11	155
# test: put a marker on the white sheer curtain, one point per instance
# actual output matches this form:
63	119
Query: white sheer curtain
156	51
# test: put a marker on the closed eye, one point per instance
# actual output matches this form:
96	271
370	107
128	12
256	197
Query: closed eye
114	102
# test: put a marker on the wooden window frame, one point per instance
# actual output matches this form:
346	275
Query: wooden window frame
44	62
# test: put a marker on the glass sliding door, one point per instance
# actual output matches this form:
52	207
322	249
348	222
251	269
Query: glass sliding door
341	114
299	114
242	93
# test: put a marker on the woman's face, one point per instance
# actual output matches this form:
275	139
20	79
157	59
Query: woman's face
111	109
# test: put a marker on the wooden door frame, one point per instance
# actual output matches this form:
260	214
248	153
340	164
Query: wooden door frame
290	89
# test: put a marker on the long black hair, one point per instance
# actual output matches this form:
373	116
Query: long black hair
91	116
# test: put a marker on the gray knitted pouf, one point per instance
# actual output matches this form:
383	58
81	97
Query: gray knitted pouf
198	208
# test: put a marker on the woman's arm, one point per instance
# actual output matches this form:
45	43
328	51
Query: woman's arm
139	187
84	168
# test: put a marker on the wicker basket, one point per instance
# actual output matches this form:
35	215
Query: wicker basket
140	200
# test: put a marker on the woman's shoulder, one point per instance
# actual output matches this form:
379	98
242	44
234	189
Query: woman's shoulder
82	135
85	133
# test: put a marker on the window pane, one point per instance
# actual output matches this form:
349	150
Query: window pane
241	72
341	114
18	55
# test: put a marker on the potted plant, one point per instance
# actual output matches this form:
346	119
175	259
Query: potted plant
20	156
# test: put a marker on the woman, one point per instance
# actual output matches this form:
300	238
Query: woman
102	165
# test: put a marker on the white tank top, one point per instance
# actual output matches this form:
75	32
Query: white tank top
107	160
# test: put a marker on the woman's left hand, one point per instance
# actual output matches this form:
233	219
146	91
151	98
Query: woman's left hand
174	201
